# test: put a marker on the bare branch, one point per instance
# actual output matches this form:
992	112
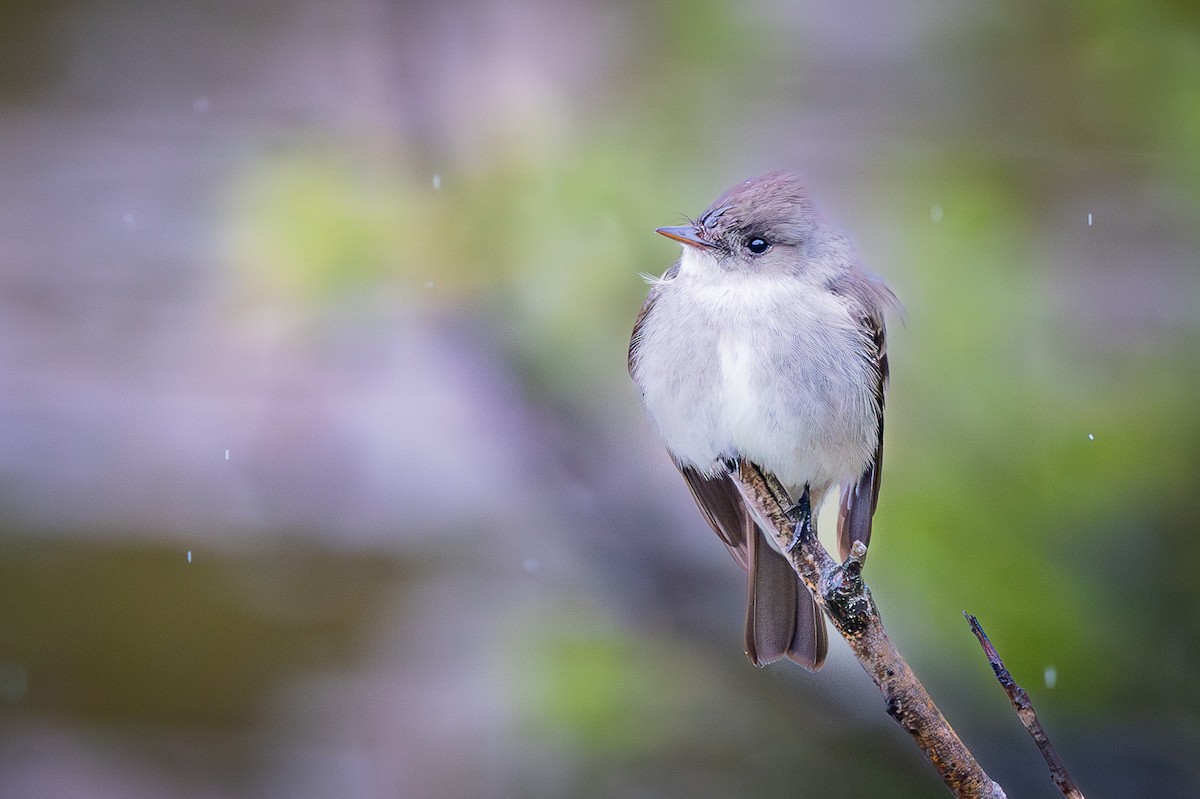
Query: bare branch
1024	707
847	601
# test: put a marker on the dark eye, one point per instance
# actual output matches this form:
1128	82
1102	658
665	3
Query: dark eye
758	246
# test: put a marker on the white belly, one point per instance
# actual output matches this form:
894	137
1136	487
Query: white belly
770	371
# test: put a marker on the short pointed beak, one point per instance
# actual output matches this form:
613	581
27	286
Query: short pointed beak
687	234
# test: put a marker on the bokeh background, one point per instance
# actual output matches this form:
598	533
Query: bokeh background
321	475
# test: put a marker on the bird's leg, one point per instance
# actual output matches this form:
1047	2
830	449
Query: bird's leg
802	513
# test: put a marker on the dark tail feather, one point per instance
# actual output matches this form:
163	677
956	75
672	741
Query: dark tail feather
810	643
782	618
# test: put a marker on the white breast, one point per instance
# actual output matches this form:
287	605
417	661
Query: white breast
758	366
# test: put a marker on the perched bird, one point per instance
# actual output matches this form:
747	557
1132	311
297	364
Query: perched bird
765	343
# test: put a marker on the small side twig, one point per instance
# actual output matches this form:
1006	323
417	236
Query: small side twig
840	590
1024	707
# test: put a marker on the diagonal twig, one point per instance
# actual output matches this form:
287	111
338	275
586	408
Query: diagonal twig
1024	707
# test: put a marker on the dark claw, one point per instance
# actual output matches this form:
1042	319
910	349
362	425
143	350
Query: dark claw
802	513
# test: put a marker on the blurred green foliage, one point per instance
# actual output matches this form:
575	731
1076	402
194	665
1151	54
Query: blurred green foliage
1023	455
597	689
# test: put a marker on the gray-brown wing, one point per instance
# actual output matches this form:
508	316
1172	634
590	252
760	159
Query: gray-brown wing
721	504
859	499
782	618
